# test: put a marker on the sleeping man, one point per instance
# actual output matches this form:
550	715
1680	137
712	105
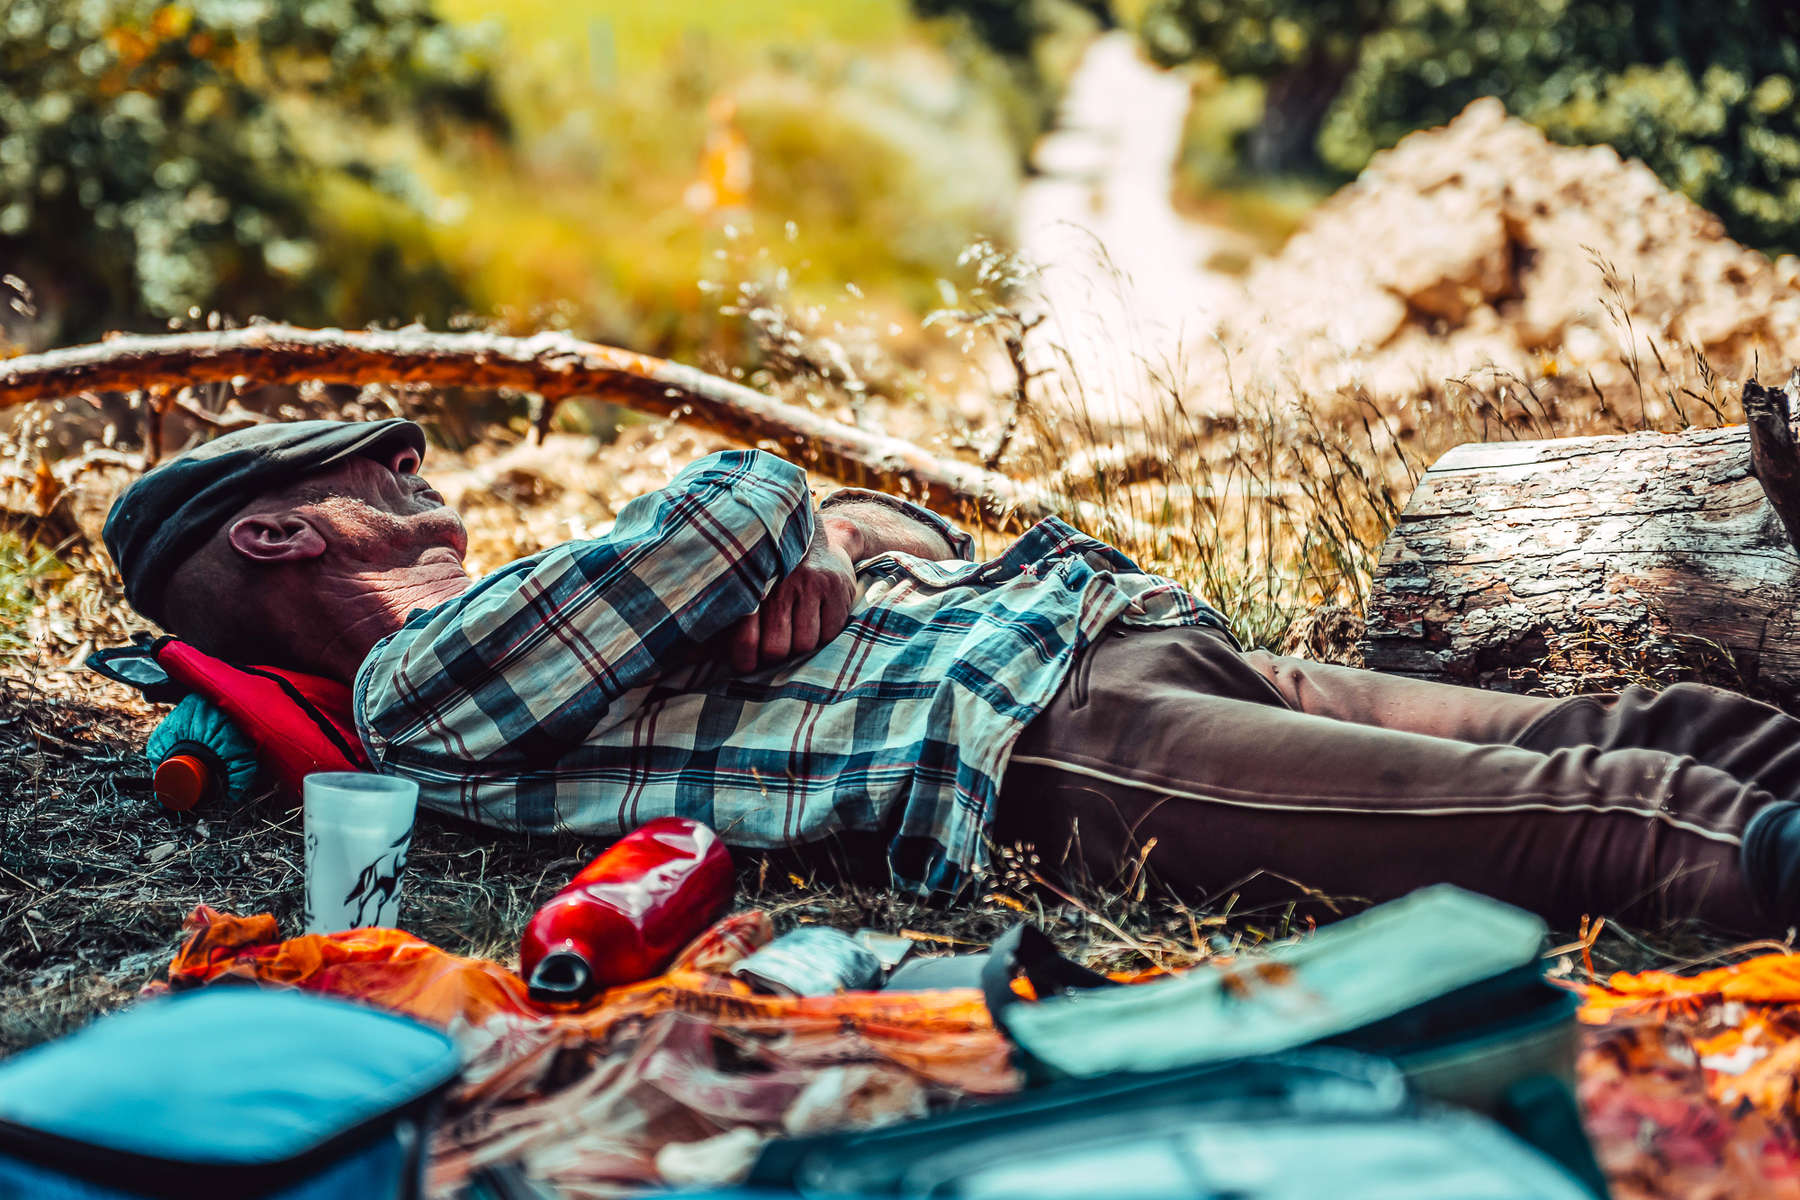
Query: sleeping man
799	673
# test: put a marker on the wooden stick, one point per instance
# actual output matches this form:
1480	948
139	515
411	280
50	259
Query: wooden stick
1773	455
553	365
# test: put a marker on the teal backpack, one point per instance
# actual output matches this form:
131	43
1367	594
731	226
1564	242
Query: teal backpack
1446	983
1300	1126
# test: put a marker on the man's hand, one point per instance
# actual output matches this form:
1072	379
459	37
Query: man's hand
806	609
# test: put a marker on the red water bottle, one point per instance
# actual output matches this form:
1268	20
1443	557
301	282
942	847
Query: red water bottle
629	912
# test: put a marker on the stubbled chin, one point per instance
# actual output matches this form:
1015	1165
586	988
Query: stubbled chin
445	529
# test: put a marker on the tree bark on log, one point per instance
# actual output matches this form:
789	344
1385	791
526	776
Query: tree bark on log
1585	563
552	365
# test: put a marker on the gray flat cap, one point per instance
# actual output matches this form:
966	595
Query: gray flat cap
168	514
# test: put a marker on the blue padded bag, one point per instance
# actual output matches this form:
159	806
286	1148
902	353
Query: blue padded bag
1308	1125
227	1093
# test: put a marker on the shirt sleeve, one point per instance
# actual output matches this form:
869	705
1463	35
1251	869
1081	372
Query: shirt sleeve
961	544
536	654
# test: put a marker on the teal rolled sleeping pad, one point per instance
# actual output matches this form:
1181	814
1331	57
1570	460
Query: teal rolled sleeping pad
201	757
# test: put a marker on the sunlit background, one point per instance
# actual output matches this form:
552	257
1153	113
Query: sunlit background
606	165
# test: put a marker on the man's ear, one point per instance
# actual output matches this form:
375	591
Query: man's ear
276	537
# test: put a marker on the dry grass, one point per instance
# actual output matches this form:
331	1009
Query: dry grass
95	880
1271	499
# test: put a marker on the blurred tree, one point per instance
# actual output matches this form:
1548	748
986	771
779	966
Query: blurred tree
1703	93
1013	27
157	158
1304	50
1016	38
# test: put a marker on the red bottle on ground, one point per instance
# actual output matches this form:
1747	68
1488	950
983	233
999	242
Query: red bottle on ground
629	912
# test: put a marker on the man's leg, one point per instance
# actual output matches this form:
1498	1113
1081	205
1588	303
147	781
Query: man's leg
1753	742
1175	736
1747	739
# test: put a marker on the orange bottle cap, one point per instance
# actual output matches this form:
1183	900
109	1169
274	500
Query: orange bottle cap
181	779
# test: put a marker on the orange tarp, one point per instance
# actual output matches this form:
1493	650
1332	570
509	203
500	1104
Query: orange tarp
676	1079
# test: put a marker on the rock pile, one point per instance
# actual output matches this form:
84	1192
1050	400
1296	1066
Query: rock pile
1482	243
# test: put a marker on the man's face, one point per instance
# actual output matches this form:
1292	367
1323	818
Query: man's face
380	512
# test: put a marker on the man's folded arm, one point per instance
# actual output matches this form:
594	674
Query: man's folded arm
684	563
812	604
561	635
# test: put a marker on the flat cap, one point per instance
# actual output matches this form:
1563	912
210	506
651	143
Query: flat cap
169	513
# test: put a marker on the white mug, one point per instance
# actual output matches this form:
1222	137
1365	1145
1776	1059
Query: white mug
358	829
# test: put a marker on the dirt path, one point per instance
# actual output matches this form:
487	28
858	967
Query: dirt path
1125	278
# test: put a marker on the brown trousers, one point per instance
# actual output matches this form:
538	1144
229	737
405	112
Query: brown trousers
1236	768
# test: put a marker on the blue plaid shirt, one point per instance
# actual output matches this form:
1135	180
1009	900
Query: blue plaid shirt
584	688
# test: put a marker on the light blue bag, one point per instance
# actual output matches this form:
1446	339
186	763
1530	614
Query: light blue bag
232	1092
1319	1123
1445	982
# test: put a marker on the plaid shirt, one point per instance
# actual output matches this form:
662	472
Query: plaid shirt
583	688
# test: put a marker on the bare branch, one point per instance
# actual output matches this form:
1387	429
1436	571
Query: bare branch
229	421
552	365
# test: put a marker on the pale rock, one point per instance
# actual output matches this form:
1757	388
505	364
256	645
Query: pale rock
1477	247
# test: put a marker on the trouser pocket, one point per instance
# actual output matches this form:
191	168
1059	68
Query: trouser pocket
1082	673
1079	676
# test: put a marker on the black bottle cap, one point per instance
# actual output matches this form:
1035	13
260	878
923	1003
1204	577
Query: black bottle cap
561	977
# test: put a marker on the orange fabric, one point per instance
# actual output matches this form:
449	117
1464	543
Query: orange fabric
1741	1021
650	1083
1770	978
945	1035
384	967
1688	1083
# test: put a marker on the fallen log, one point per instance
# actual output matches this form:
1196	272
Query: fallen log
555	366
1582	563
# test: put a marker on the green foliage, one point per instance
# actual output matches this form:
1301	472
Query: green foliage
886	177
614	38
1021	50
1013	27
1703	93
158	158
25	569
1258	37
869	167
